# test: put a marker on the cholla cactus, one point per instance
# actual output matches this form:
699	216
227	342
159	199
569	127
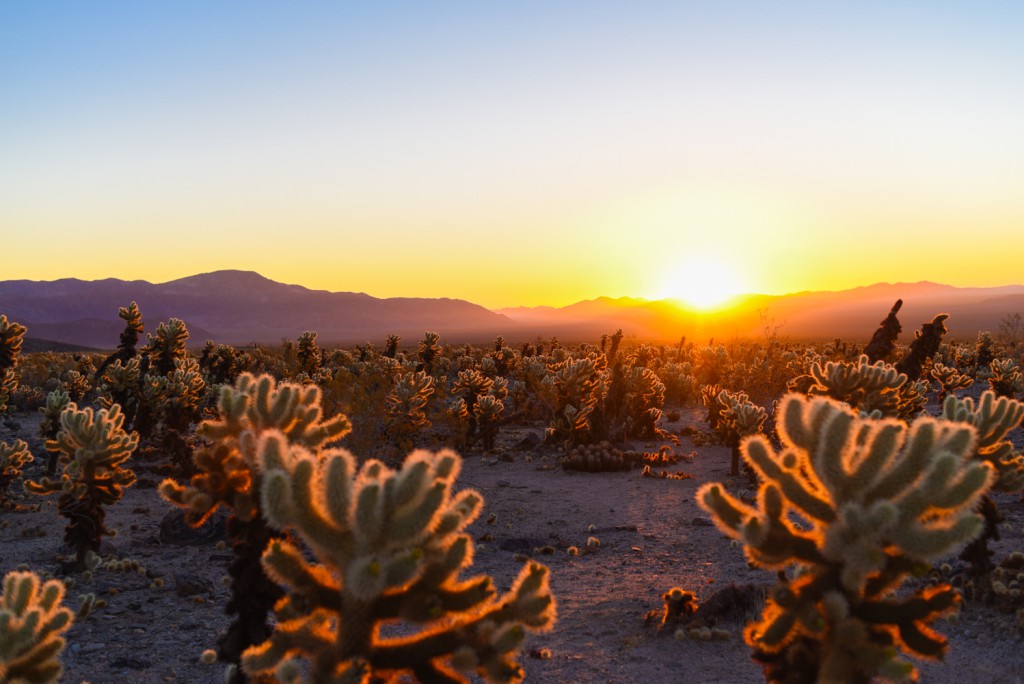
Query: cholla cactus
429	351
391	546
75	384
129	338
596	458
642	399
405	406
391	346
227	470
309	355
578	387
56	402
93	448
883	342
1005	378
709	399
228	475
12	458
167	346
925	345
11	335
950	379
867	387
880	498
993	417
740	418
32	620
487	411
119	384
132	318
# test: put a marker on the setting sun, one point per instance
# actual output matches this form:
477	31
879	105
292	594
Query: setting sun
702	282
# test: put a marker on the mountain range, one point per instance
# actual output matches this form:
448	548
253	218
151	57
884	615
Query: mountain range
243	307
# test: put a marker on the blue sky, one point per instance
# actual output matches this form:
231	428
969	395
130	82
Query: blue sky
591	148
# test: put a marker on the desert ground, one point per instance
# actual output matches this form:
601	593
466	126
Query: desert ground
652	537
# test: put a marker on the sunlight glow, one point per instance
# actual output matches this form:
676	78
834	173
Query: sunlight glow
703	282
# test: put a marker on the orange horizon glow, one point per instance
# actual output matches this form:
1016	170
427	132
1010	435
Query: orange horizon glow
515	155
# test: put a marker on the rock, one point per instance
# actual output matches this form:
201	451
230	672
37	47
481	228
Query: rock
702	522
174	529
529	441
131	663
187	584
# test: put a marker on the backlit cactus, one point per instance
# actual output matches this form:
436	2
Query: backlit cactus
32	621
309	355
391	546
13	458
578	386
993	417
167	345
228	474
1005	378
950	380
405	406
739	418
428	351
11	337
878	499
93	448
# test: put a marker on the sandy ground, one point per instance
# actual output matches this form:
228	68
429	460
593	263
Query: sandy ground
652	537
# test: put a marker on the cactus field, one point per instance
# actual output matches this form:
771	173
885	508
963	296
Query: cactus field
554	512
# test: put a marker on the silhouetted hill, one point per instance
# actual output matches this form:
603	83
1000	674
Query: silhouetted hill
851	314
242	307
234	307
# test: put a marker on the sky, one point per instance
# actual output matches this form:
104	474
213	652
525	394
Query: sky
515	153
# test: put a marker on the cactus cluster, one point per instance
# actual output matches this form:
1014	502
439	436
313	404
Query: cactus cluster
878	499
32	621
596	458
391	548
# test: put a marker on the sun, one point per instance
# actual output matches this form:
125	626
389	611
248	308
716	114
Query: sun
702	282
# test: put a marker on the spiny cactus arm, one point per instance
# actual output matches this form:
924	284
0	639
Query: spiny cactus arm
927	437
771	540
907	619
310	634
286	565
788	472
11	337
14	456
485	644
224	478
31	621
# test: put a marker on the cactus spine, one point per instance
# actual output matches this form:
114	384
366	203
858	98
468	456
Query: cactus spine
31	623
880	499
391	547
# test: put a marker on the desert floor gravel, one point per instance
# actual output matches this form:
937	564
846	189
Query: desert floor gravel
652	537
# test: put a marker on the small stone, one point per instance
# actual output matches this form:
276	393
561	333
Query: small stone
187	584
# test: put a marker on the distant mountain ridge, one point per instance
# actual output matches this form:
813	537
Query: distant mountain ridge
233	307
851	314
243	307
